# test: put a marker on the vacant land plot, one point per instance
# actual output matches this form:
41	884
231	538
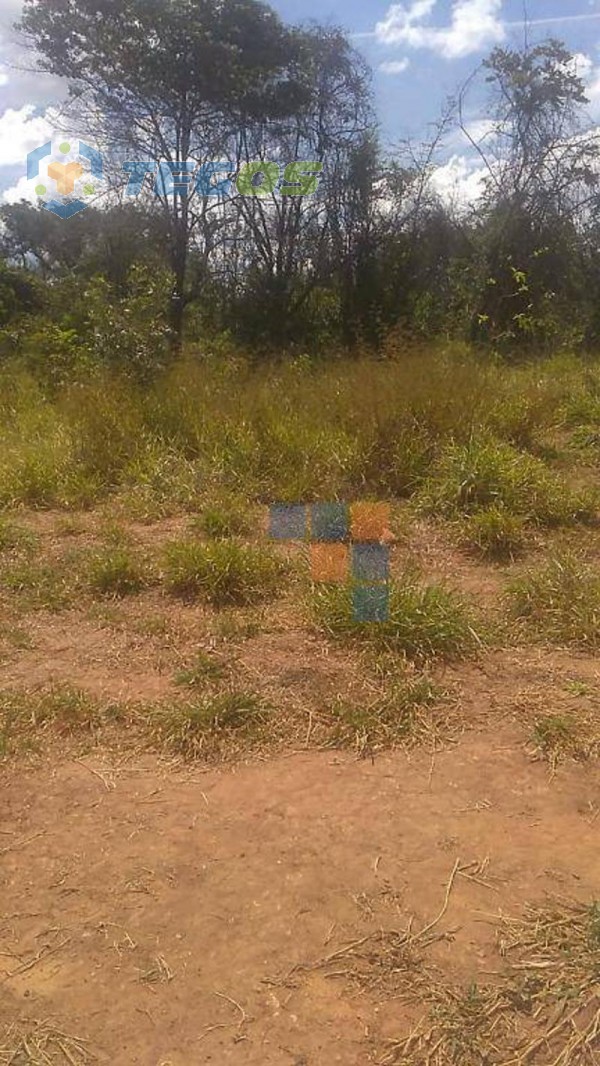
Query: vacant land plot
236	827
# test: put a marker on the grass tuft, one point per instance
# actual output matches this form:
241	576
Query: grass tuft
115	571
223	572
402	715
37	585
494	534
14	538
224	518
425	621
64	709
211	725
559	601
558	736
487	473
204	668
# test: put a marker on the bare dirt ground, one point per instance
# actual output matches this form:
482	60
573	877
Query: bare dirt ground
173	914
160	914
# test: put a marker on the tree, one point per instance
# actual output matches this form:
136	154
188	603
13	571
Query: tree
283	243
107	242
169	80
542	191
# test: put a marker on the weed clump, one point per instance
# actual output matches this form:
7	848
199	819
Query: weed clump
399	716
68	711
559	601
424	621
115	571
487	473
225	518
494	533
212	725
222	572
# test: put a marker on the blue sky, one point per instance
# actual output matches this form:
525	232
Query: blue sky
420	51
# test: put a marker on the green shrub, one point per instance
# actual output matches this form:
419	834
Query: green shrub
425	621
222	572
559	601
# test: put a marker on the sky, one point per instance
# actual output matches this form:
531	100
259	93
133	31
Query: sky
421	52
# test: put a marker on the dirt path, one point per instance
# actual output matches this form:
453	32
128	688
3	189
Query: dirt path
158	913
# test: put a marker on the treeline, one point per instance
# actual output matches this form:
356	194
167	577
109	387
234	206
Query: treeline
375	250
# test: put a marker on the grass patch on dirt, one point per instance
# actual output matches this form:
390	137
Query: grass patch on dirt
225	517
546	1009
410	712
37	584
559	737
116	571
203	669
27	716
222	572
213	725
494	534
543	1007
488	473
16	538
425	621
559	601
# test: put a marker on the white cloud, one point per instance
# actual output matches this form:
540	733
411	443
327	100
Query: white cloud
585	68
480	129
3	77
22	190
582	65
460	181
20	132
394	66
474	26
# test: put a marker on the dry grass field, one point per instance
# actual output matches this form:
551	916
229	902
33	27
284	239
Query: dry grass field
236	827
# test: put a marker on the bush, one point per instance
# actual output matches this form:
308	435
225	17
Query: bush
222	572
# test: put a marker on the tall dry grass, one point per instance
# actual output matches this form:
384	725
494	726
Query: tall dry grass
298	430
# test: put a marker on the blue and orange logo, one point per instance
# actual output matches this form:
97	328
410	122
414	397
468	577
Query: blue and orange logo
65	174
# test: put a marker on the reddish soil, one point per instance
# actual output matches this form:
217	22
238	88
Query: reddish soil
173	915
233	878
